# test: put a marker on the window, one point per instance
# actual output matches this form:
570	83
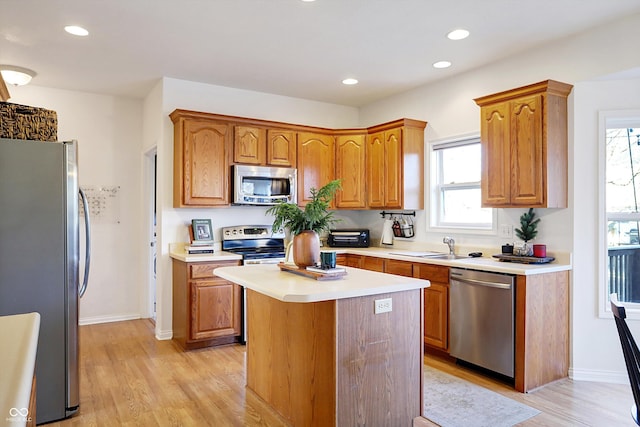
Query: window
455	177
622	209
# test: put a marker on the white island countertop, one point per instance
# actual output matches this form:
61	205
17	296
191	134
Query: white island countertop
19	337
285	286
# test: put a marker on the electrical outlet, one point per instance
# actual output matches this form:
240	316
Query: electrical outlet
383	305
506	231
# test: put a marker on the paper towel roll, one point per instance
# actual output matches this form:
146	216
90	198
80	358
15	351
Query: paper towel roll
387	232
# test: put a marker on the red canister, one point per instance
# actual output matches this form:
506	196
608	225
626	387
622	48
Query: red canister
540	251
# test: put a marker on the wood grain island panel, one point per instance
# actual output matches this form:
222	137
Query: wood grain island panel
334	361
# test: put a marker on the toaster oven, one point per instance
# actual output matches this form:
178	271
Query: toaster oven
349	238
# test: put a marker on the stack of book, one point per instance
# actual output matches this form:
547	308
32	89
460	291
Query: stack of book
199	248
327	270
201	237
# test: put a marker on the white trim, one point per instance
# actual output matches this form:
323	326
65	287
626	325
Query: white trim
614	377
433	190
164	335
614	117
108	319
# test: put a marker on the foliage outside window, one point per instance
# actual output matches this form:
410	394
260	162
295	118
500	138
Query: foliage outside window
456	198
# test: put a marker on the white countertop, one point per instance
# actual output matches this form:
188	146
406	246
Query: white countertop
484	263
19	338
269	280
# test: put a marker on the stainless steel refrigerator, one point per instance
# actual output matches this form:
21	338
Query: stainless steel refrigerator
40	261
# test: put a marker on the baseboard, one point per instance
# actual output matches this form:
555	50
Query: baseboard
614	377
107	319
164	335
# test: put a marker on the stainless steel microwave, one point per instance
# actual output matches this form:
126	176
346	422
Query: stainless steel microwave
263	185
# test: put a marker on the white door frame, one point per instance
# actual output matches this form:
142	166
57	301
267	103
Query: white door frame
148	295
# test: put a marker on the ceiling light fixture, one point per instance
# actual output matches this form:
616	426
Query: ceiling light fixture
442	64
16	76
76	31
350	81
458	34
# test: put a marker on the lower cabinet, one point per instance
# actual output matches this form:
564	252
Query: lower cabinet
207	310
436	304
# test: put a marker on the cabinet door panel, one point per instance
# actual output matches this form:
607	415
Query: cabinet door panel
393	169
249	145
436	315
215	309
281	148
401	268
375	170
350	168
316	154
527	161
373	263
205	163
496	155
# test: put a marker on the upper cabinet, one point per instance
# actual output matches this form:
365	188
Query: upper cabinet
200	173
524	146
281	147
395	165
316	163
263	146
350	168
249	145
380	167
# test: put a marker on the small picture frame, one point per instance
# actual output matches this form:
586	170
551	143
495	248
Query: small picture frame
202	230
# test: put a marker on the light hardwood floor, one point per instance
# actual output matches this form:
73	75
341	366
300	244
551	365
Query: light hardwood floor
128	378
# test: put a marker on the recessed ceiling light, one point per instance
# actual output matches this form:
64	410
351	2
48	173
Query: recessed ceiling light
16	76
76	31
308	1
458	34
350	81
442	64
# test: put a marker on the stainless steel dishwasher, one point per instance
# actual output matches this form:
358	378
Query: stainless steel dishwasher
481	319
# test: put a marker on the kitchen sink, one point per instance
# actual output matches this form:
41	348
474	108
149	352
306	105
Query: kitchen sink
445	256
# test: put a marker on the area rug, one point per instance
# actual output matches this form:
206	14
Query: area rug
453	402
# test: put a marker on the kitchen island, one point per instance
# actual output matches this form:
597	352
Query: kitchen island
318	353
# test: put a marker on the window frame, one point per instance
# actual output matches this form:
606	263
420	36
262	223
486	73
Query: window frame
435	186
609	119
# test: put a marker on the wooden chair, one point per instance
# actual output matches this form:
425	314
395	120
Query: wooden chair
630	351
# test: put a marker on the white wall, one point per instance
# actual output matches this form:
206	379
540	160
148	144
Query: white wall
228	101
449	108
109	134
596	347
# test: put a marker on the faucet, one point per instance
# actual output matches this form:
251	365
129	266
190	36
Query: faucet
451	243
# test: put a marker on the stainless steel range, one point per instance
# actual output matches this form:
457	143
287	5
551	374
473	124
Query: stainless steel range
256	243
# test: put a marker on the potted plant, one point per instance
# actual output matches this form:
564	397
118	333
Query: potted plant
528	231
305	224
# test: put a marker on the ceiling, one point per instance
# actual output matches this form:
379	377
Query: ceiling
285	47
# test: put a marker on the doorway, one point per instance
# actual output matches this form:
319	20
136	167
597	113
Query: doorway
150	192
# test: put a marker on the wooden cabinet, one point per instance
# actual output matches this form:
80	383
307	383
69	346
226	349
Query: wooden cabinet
200	175
207	309
401	268
249	145
436	304
281	148
542	329
380	167
524	146
350	168
395	165
263	146
316	163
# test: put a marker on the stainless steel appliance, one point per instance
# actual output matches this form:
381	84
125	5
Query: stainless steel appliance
40	260
258	245
481	319
262	185
349	238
